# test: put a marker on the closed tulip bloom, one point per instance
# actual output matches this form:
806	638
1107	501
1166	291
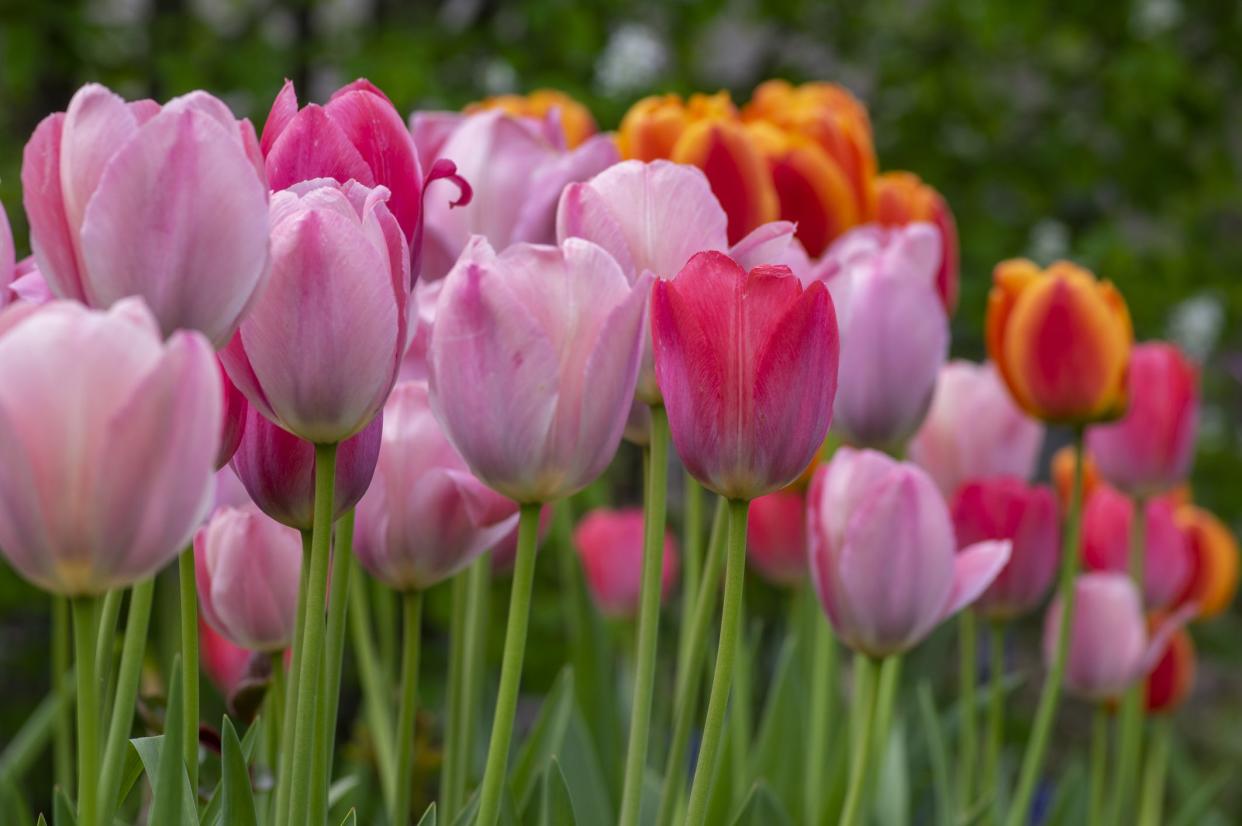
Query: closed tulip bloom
747	365
168	203
1213	580
894	331
1149	450
776	537
225	664
278	469
321	348
1173	677
1107	521
1062	471
1026	515
610	543
575	120
533	360
233	420
973	430
248	567
110	437
883	557
902	198
1061	340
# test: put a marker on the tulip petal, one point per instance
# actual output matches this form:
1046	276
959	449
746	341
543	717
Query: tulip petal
96	123
737	171
430	130
53	243
313	146
536	218
974	569
773	243
283	110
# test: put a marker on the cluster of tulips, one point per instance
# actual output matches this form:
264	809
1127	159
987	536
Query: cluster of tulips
352	341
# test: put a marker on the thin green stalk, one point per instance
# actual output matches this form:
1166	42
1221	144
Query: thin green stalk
304	785
648	618
823	677
739	713
188	591
511	666
688	674
273	709
886	701
105	642
475	667
1050	695
375	689
866	695
968	741
691	557
85	631
1130	726
289	714
730	630
412	620
996	721
1151	813
62	743
455	699
133	651
1099	764
384	600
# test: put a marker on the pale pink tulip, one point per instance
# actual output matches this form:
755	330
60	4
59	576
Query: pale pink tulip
610	543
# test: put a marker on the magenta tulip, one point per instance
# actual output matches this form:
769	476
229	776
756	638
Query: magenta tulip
224	663
278	469
110	435
1150	450
747	366
8	259
610	543
168	203
233	420
776	537
247	567
974	430
320	350
883	556
533	360
1106	524
1026	515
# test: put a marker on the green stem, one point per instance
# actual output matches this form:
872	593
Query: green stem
739	713
967	746
996	721
375	690
730	630
1099	764
384	599
105	643
1050	695
289	714
455	700
189	662
1130	731
273	710
823	673
475	667
85	631
886	700
303	785
412	619
691	557
1154	773
511	666
62	744
648	618
866	694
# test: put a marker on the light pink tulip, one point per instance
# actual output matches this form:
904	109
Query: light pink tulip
425	516
747	366
109	438
533	360
248	567
516	167
168	203
610	543
1106	523
8	259
320	350
28	284
1151	449
894	330
883	556
973	430
225	664
776	537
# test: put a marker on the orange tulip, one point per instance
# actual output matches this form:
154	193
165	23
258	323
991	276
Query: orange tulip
1061	340
1063	474
1169	683
1214	561
902	198
577	124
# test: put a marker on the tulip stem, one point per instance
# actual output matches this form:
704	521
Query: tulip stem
289	713
968	744
511	666
455	700
1130	726
1154	775
1099	764
996	721
866	699
310	683
692	552
273	709
62	743
85	631
105	644
189	663
1050	695
823	685
374	681
648	617
475	667
412	620
730	630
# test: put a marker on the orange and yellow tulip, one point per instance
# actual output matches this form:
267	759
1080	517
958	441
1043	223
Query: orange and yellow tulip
1062	472
577	124
1214	561
902	198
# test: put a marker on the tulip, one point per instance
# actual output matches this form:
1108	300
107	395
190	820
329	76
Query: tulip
534	417
973	430
1062	471
247	567
1173	676
902	198
233	420
320	351
1213	579
8	259
1026	515
110	437
776	537
224	663
574	119
610	543
425	517
28	284
230	492
1106	543
1150	449
516	167
278	470
1061	340
168	203
894	332
883	557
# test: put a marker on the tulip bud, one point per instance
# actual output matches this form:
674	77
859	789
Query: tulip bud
1213	579
575	120
1106	524
610	543
1061	340
1171	680
902	198
776	537
1062	471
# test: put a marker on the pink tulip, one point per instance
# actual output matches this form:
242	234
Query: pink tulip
1150	450
610	543
28	284
425	517
8	259
1026	515
974	430
233	422
319	352
278	469
776	537
894	330
109	438
516	167
533	359
747	365
230	492
248	567
1106	525
167	203
883	556
225	664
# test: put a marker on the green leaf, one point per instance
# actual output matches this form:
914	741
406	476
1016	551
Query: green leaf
149	750
132	771
342	788
237	806
783	722
583	775
545	738
211	814
11	799
351	818
762	808
558	804
429	816
62	810
173	801
42	821
933	736
1197	802
892	797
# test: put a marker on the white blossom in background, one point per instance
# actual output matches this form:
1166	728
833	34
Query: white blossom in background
1195	325
1049	241
497	77
633	59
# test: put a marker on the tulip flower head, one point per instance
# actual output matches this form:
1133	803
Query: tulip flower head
776	537
1213	580
610	543
902	198
233	420
1107	522
225	664
1173	677
883	557
574	119
8	259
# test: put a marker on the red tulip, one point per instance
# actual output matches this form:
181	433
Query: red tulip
1106	543
610	543
1173	677
776	537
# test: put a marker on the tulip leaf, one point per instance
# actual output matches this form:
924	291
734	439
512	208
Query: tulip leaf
42	821
149	750
762	808
1196	804
545	738
470	811
892	790
783	721
583	775
933	736
211	814
557	804
173	799
237	797
11	800
63	813
429	816
351	818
